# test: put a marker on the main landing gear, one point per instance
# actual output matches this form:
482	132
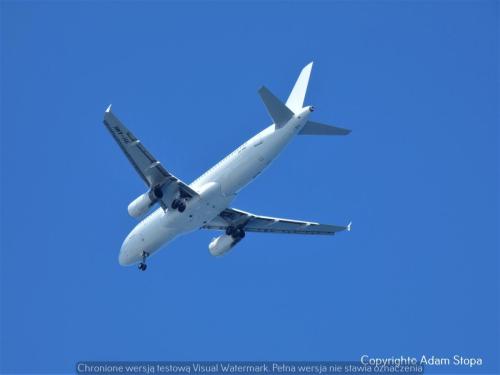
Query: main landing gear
179	204
236	232
143	265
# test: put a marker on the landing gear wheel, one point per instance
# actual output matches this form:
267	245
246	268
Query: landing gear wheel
179	204
182	206
175	204
143	265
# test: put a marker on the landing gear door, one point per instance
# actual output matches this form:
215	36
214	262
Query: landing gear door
170	192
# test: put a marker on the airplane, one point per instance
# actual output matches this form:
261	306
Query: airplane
205	203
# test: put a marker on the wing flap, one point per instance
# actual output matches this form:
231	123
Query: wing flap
145	164
266	224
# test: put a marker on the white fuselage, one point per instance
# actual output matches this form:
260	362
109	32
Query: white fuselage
216	188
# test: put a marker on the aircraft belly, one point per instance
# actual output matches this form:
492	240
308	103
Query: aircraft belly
211	193
243	171
153	234
198	212
252	161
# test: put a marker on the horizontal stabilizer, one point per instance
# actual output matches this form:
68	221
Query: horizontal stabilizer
316	128
278	111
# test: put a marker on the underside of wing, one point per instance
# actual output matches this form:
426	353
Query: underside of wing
232	217
156	177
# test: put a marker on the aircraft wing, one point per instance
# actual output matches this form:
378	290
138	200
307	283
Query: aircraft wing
146	165
256	223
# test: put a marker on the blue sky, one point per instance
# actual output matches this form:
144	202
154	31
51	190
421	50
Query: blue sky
418	176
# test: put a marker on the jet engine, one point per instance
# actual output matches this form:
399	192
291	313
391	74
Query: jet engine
222	244
143	203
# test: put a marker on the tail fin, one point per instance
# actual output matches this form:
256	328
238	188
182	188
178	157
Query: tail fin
277	110
296	99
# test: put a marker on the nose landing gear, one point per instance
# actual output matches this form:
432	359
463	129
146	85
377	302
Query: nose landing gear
143	265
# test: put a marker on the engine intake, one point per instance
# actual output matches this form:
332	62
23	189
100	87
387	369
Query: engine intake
222	244
143	203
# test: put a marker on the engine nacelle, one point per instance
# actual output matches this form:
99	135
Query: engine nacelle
143	203
222	244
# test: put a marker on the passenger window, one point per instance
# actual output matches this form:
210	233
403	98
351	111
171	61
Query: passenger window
258	144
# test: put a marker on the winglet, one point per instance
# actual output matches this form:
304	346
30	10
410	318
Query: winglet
349	226
108	109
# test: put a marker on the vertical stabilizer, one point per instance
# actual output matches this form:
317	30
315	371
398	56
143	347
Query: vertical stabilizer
296	99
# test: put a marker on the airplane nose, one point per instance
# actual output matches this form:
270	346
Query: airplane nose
122	257
125	258
132	248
